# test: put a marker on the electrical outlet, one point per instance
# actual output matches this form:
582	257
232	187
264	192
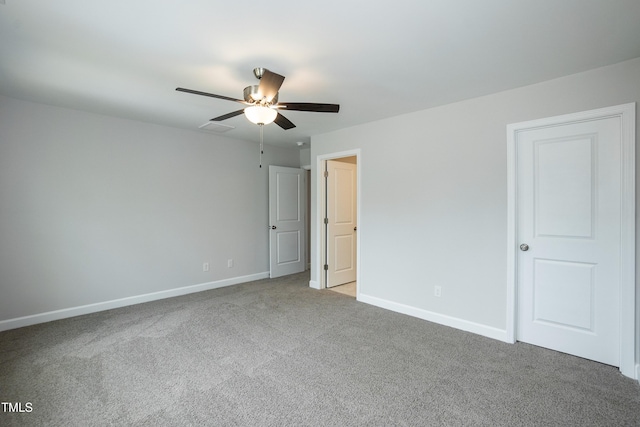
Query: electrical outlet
229	263
205	266
437	291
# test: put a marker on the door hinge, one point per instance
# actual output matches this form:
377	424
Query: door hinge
326	267
326	220
326	174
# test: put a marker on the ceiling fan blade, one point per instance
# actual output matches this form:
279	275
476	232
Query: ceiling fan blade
227	116
270	83
309	106
283	122
212	95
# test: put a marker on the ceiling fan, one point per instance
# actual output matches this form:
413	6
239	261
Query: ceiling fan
262	102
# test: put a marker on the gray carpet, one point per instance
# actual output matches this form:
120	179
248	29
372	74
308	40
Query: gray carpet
276	353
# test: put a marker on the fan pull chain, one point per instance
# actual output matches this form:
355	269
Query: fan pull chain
261	143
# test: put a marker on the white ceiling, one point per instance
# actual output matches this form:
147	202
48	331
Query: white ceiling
376	59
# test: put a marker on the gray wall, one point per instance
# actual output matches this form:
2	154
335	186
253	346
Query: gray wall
305	157
434	195
95	208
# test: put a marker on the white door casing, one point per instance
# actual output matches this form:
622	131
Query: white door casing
571	200
286	221
341	222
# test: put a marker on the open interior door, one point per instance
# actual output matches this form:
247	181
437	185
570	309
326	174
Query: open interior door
341	223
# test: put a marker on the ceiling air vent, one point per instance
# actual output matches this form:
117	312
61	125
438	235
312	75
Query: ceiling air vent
216	127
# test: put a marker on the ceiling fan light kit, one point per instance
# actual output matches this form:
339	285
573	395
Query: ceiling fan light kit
260	115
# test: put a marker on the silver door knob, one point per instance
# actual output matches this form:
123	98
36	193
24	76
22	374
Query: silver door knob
524	247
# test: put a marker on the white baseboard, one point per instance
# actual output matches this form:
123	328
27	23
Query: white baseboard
20	322
465	325
314	284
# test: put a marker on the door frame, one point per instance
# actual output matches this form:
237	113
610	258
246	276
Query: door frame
627	115
321	204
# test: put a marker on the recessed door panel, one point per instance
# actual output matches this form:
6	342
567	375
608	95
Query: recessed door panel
288	246
344	248
288	192
565	187
343	185
563	294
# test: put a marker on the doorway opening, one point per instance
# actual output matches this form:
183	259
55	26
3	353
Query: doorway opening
338	216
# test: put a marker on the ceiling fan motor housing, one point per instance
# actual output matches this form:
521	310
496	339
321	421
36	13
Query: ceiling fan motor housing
252	95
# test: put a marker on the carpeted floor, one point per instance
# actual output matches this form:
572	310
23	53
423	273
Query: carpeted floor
277	353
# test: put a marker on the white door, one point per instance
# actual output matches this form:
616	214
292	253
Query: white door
286	221
568	216
341	223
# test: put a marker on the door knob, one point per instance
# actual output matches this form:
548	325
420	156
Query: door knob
273	227
355	228
524	247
